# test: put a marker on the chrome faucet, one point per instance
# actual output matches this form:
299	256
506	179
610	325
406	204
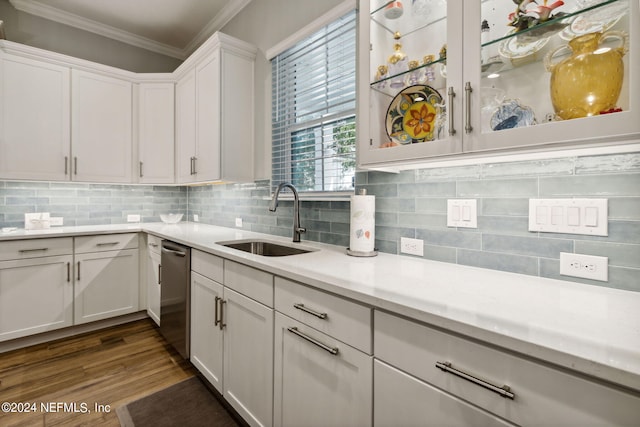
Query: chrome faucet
297	230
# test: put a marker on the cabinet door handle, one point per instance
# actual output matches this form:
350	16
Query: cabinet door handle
66	165
23	251
467	101
504	391
333	350
68	272
75	166
193	165
216	319
141	175
452	94
219	321
159	274
78	278
301	307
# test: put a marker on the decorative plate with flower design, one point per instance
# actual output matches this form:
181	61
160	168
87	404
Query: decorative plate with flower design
412	114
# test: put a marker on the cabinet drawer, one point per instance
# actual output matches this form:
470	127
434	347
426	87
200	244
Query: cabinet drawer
34	248
255	284
154	243
543	395
106	242
345	320
208	265
402	400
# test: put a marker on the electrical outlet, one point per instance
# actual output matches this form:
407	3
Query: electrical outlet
238	222
196	218
56	220
133	218
585	266
411	246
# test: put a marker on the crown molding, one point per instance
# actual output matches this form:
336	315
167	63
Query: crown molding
227	13
36	8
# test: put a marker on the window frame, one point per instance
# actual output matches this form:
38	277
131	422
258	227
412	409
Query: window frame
325	122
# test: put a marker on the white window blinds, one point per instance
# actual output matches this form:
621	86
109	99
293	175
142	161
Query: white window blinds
313	105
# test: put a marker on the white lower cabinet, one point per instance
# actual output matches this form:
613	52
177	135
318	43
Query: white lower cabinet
206	335
106	276
319	381
513	387
153	277
403	400
248	357
46	285
232	334
36	291
323	366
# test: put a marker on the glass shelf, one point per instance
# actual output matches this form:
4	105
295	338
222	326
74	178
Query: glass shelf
609	8
380	84
610	11
407	23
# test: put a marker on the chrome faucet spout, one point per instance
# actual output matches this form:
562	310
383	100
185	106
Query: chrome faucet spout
273	205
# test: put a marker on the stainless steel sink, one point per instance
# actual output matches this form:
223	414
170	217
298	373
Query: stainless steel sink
265	248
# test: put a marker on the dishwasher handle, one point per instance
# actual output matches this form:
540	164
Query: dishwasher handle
173	252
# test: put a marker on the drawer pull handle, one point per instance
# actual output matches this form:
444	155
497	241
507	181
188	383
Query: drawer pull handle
310	311
294	330
504	391
23	251
153	245
107	244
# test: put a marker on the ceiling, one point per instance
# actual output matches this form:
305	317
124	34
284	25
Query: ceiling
171	27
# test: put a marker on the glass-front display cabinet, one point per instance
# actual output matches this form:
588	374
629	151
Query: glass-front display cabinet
444	78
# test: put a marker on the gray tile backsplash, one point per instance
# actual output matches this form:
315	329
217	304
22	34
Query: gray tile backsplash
87	204
408	204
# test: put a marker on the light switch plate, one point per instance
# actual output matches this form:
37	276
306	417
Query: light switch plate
570	216
462	213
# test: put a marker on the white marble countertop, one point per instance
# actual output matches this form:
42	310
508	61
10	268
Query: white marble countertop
591	329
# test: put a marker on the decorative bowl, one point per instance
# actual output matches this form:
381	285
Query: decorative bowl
171	218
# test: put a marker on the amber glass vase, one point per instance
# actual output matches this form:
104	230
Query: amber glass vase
589	81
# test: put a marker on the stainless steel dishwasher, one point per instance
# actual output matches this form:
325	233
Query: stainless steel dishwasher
175	295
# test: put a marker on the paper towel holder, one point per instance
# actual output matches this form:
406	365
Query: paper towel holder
374	252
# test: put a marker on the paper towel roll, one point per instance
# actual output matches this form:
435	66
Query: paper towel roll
363	223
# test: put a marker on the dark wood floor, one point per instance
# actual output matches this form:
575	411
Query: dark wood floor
110	367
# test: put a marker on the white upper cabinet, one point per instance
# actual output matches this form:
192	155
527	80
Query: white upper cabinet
34	119
155	133
185	113
101	128
436	82
215	112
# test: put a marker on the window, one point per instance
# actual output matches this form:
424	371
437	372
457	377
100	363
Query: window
313	105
